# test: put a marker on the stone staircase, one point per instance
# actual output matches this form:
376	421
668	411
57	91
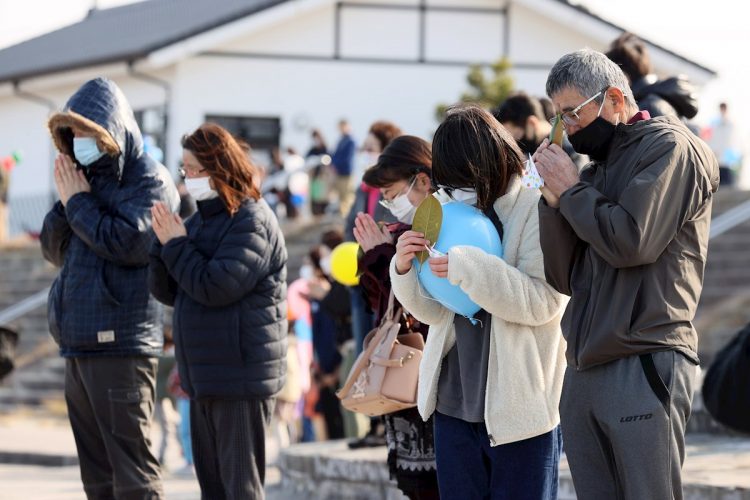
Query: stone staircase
716	468
725	301
728	266
39	372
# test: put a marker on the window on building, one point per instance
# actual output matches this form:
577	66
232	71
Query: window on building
152	124
262	133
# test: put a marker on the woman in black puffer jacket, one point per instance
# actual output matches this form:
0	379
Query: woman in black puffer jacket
224	271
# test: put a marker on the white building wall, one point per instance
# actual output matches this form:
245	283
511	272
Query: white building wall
304	86
535	39
316	93
23	128
311	34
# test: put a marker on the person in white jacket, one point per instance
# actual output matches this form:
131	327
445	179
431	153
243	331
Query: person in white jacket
493	386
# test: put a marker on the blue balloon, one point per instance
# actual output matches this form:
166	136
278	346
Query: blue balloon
463	225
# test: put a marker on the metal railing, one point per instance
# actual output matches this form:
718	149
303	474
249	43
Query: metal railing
23	307
730	219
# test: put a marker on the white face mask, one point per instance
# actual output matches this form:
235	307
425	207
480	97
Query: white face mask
400	206
306	272
402	209
464	195
200	189
325	265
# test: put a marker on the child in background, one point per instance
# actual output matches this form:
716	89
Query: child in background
183	408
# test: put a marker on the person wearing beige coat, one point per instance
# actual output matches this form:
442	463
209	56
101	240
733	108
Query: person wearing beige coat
526	348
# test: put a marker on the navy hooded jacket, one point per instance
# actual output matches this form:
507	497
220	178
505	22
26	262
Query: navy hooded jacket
100	305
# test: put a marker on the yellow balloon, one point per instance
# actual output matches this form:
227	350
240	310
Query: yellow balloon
344	263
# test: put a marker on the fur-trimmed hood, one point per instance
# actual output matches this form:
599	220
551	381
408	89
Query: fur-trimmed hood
100	108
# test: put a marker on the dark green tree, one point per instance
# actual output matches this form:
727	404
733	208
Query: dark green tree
488	86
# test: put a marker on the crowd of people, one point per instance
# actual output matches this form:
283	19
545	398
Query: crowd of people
582	341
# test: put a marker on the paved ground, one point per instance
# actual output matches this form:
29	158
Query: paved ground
30	437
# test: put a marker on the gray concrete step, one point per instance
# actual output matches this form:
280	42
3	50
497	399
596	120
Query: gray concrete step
716	468
24	272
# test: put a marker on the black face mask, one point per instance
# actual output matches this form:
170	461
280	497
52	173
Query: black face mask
528	145
594	139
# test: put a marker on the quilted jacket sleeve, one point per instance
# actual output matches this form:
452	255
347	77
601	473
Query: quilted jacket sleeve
121	233
160	283
241	259
55	235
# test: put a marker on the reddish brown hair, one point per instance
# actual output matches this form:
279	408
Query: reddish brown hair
405	157
226	160
384	132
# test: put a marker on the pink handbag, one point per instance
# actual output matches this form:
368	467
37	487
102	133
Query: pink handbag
384	377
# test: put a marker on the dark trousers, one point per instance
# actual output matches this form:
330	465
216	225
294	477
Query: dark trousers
362	321
726	177
110	406
624	426
469	468
229	447
330	406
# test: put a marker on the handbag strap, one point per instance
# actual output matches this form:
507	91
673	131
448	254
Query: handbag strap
492	215
361	363
391	301
374	337
393	362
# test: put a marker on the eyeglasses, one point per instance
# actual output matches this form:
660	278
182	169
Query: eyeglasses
390	203
571	118
450	190
189	173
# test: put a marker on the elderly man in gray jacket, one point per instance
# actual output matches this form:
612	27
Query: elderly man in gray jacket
627	239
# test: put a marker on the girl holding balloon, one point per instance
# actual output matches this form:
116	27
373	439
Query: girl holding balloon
402	174
491	381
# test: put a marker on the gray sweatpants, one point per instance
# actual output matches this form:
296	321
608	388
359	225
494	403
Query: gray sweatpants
623	426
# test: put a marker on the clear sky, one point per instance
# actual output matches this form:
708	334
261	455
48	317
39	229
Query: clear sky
713	33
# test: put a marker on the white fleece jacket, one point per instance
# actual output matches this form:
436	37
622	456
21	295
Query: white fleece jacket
527	349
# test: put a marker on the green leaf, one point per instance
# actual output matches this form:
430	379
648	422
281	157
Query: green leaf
556	134
427	220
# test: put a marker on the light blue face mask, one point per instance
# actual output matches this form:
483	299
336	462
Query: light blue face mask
85	150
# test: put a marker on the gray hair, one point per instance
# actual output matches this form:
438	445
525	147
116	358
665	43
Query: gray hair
588	71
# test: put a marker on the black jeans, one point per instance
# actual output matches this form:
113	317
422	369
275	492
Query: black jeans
110	406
